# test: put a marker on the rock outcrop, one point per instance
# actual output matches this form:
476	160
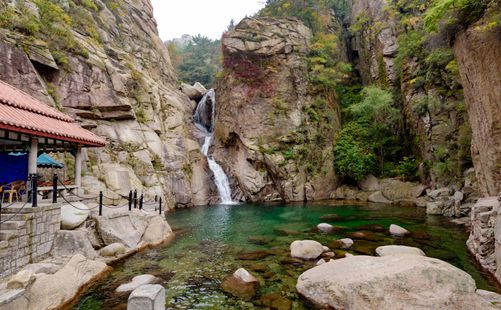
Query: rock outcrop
51	291
264	115
478	53
430	95
390	282
118	81
485	236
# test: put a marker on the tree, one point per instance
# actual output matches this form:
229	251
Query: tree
199	61
376	112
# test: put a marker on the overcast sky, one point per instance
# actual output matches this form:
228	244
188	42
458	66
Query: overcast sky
207	17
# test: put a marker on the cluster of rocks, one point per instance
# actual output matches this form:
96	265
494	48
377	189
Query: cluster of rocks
81	255
449	201
195	92
485	234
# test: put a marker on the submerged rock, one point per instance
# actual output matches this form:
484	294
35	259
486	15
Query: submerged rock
398	250
344	243
330	217
306	249
364	235
275	301
259	240
253	255
390	282
398	231
241	284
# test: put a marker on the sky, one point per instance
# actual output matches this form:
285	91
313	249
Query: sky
207	17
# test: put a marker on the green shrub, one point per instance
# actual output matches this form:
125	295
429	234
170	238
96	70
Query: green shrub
353	159
407	169
90	4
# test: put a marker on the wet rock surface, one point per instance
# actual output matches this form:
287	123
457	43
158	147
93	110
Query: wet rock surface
404	281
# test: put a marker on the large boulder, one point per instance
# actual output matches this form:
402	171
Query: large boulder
158	231
122	227
377	197
194	92
369	183
396	190
113	249
71	242
52	291
241	284
306	249
73	215
389	282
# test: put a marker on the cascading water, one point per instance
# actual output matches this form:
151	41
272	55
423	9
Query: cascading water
204	120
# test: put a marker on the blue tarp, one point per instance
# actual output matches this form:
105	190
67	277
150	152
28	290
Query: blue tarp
46	161
13	167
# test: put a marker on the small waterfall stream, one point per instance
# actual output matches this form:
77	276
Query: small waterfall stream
204	120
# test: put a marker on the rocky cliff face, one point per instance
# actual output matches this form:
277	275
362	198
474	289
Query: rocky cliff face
116	79
265	131
423	74
478	52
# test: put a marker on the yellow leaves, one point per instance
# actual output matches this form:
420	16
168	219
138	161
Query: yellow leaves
286	5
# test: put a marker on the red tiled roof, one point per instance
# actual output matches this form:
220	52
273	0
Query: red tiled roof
19	112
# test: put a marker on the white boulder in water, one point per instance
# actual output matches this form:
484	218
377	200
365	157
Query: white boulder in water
306	249
324	227
398	231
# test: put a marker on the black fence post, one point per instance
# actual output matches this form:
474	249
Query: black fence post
34	185
130	200
160	206
141	202
100	203
135	199
54	188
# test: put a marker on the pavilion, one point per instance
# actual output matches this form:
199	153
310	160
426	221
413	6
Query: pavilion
29	127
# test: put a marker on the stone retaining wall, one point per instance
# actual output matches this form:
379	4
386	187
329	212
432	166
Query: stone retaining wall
28	237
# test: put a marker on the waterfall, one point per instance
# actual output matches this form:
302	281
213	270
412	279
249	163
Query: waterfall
204	120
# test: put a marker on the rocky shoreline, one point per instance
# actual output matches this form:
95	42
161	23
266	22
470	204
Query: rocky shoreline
82	256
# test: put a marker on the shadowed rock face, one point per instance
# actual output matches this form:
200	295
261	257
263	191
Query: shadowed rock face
262	99
478	53
125	91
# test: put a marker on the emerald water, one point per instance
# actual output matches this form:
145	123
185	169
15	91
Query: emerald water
212	242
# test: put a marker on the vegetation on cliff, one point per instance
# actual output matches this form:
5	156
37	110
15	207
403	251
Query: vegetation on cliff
197	61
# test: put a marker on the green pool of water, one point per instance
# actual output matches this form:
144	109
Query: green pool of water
214	241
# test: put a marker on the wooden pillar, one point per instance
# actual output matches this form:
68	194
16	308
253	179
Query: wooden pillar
78	168
33	155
